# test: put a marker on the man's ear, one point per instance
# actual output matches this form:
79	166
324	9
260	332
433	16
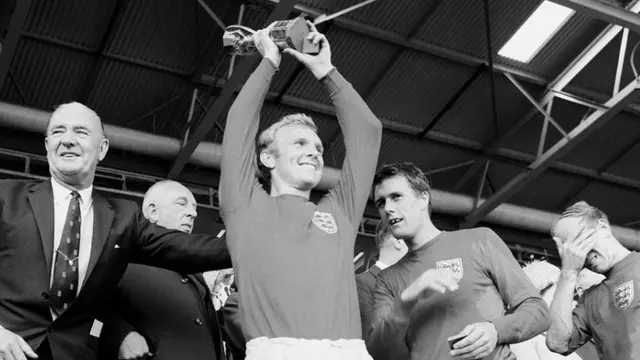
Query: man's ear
104	148
154	215
267	159
603	226
424	200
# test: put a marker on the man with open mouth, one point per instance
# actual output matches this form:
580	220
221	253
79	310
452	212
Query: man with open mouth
447	298
295	257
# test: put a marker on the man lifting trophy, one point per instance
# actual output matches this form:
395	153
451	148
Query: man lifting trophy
285	34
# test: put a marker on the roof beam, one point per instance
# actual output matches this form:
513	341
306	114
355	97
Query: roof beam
219	106
609	12
557	85
592	123
10	43
503	155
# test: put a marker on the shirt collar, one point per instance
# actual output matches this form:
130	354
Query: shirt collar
381	265
60	192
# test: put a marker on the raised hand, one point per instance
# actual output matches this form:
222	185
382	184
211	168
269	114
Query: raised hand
438	280
319	64
265	45
573	252
13	347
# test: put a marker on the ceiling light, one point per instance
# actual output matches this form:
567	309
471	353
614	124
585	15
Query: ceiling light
536	31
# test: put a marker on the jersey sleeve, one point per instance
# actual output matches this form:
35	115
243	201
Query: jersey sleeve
387	336
362	133
529	315
239	165
581	331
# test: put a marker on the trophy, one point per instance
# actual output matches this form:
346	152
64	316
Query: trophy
286	34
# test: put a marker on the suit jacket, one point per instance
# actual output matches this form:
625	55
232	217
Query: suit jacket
233	335
120	235
173	312
366	284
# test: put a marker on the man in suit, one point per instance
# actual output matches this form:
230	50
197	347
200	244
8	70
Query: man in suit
233	335
390	250
64	247
158	312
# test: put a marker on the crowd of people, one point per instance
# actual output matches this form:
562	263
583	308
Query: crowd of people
87	277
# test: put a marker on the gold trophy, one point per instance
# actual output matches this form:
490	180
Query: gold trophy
285	34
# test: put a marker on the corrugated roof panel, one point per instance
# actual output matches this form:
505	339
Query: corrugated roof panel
48	75
472	116
423	153
123	93
564	46
627	165
157	31
395	16
81	22
547	192
361	61
605	144
464	31
416	88
621	206
460	25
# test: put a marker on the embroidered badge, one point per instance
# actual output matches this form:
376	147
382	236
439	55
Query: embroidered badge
324	221
455	265
623	295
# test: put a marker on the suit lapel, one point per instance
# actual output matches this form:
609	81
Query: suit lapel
201	285
41	200
102	220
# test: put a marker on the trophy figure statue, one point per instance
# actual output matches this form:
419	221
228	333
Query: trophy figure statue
286	34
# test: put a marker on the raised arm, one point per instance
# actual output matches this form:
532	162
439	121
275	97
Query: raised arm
361	129
239	166
529	315
178	251
569	329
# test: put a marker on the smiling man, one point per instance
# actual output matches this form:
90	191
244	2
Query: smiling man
158	312
448	296
608	313
64	247
295	258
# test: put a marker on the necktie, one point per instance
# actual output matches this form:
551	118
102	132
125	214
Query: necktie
65	273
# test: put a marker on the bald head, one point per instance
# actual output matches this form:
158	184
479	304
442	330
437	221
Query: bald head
170	204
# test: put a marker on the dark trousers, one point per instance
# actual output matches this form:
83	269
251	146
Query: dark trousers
44	351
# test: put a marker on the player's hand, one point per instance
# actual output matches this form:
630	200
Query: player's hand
265	45
13	347
134	347
574	251
319	64
477	341
438	280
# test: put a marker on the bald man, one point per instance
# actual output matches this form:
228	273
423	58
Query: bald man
158	312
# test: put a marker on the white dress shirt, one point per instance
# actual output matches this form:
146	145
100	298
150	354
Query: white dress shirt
381	265
61	199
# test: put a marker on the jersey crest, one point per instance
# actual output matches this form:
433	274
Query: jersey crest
325	222
623	295
455	265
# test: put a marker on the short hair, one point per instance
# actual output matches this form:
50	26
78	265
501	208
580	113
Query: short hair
150	194
582	210
416	178
268	136
382	234
64	106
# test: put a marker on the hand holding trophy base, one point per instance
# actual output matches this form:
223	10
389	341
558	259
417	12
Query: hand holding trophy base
285	34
